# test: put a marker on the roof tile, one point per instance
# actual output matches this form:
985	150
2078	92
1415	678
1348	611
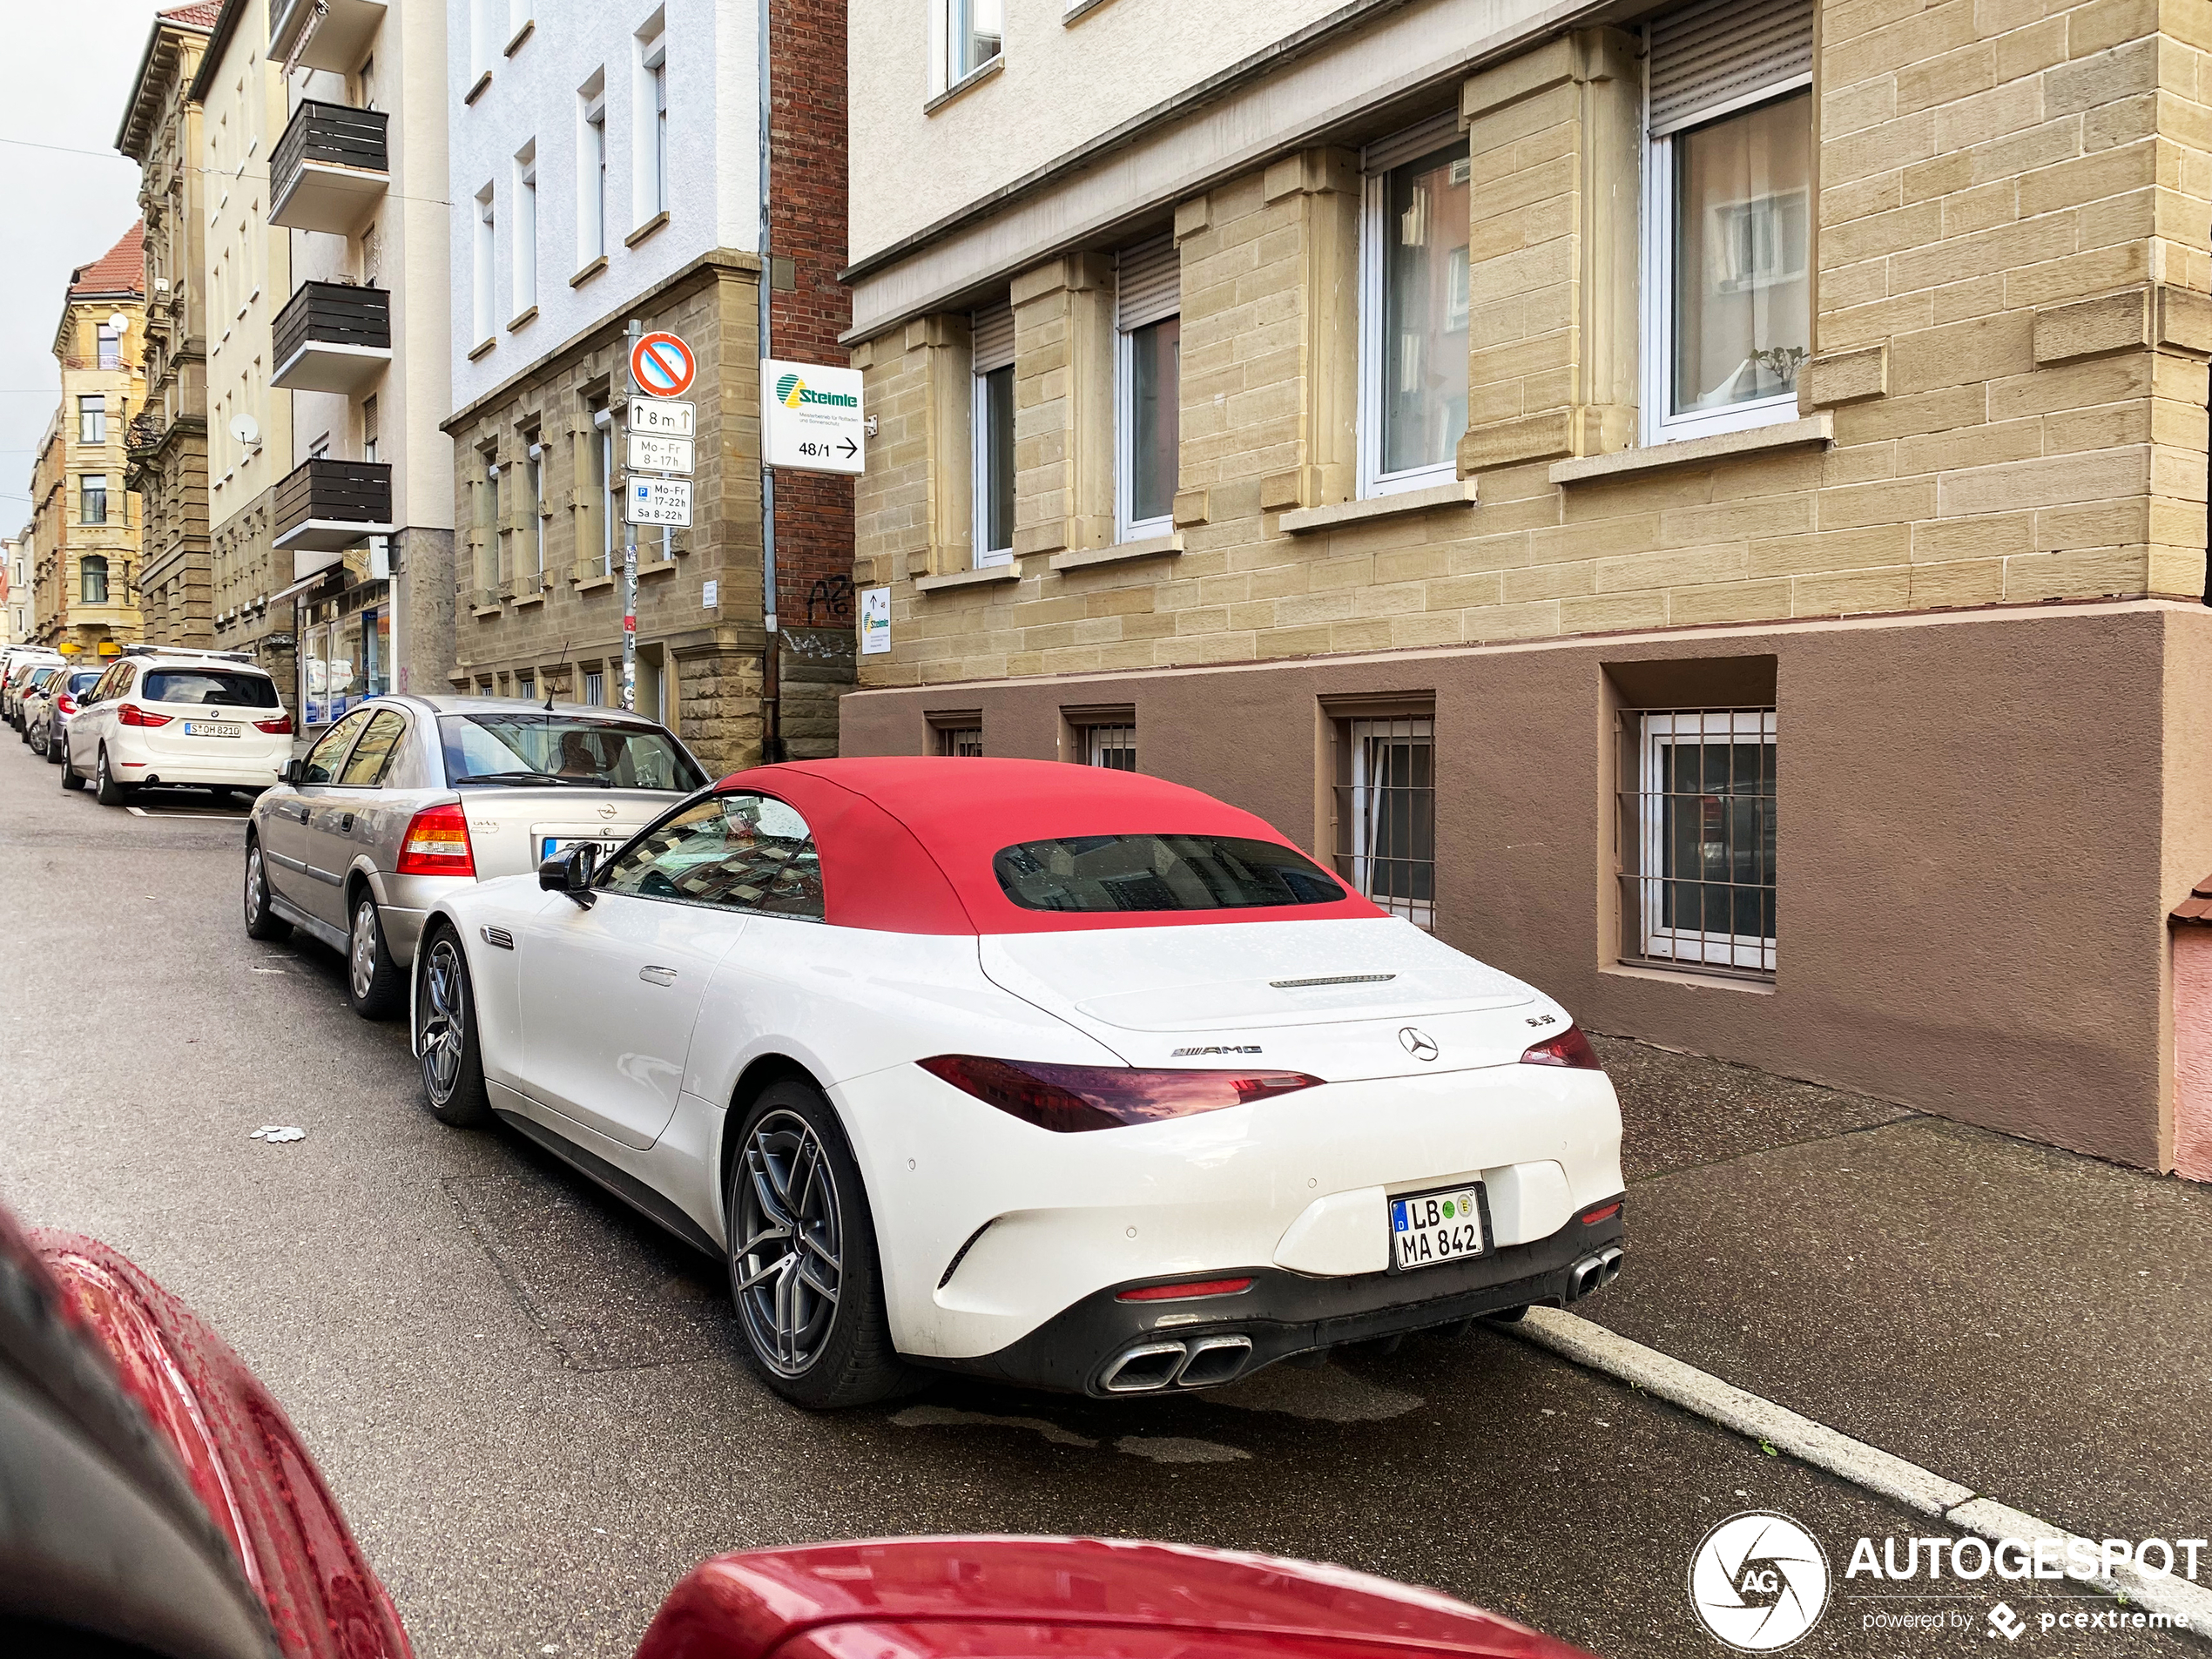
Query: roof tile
122	269
200	15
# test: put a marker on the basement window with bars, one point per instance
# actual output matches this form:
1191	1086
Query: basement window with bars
1385	812
1697	838
965	740
1112	746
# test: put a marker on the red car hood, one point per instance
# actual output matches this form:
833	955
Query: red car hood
918	1598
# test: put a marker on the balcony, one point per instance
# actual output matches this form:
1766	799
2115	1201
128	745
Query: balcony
348	29
330	169
324	507
332	337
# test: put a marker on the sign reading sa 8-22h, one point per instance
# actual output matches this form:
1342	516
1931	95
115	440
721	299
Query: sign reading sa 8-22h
811	419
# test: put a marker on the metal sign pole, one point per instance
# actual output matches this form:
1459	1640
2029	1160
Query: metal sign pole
631	336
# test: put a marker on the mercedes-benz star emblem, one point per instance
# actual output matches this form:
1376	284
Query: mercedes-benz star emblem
1416	1042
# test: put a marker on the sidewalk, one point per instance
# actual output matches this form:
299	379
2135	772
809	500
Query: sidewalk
2028	1322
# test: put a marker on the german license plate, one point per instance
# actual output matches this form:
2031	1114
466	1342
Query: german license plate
212	729
1426	1228
557	845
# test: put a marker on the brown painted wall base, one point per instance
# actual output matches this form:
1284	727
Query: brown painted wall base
1984	817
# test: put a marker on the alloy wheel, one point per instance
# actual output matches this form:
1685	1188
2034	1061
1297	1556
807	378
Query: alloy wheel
361	958
257	892
790	1262
445	995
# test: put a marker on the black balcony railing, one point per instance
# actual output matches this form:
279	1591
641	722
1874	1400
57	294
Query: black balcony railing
332	313
333	492
335	134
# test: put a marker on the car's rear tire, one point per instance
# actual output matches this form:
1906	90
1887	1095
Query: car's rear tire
54	746
376	986
812	1314
453	1062
111	793
261	920
70	779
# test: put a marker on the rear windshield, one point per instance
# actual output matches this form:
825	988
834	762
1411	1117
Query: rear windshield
232	688
83	680
1095	872
40	676
529	747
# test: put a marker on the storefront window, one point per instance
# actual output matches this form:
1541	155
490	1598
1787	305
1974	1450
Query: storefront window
314	675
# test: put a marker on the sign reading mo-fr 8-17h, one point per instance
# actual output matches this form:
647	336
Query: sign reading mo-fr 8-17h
810	418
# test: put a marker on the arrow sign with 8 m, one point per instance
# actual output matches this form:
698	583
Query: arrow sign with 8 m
661	366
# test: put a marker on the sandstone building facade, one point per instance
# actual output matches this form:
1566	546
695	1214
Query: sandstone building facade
1687	501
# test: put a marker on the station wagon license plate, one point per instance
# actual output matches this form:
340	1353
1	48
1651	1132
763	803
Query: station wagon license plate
212	729
1426	1228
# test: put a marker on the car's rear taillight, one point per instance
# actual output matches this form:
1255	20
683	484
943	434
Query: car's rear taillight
132	714
1069	1099
64	703
280	727
436	843
1570	1048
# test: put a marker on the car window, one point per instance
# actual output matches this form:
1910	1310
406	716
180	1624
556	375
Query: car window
40	676
235	688
82	681
736	852
330	748
527	745
372	756
1096	872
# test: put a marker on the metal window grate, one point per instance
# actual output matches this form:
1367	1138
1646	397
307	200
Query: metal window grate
1113	747
1385	790
1697	837
960	740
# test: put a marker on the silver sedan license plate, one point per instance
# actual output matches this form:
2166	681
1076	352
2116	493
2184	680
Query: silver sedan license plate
1426	1228
554	845
212	729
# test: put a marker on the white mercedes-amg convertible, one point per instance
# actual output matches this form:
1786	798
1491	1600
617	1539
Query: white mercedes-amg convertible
1057	1075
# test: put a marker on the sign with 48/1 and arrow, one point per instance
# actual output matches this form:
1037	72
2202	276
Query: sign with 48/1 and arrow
811	419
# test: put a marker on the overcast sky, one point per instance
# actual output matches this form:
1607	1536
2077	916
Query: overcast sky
65	74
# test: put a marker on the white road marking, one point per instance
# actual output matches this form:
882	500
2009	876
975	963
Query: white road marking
1868	1466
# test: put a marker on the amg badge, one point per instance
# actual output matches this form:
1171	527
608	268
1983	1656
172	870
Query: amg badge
1218	1048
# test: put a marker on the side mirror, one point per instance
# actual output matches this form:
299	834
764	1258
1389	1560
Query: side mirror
570	873
294	771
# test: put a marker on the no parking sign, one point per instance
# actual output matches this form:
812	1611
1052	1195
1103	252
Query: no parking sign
661	364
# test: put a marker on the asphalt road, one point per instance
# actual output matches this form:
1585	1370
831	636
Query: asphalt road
534	1407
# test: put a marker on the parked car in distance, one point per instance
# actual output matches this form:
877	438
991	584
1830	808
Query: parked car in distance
161	715
407	798
20	667
32	699
162	1506
1058	1075
58	703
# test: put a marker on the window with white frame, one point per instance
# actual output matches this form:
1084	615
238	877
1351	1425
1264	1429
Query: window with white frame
1727	207
651	145
1413	309
602	442
974	31
483	292
91	420
1112	746
1697	821
1385	812
1148	368
525	254
110	347
591	172
534	501
92	503
991	427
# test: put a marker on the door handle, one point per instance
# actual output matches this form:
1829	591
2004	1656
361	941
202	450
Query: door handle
658	976
346	824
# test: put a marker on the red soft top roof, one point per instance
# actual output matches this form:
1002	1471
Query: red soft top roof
906	841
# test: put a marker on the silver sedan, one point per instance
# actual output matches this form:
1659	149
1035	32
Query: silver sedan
407	798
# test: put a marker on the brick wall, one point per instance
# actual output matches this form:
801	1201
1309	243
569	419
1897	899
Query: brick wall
807	209
2006	405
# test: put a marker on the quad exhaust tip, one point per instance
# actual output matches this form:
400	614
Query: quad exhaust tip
1151	1367
1596	1271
